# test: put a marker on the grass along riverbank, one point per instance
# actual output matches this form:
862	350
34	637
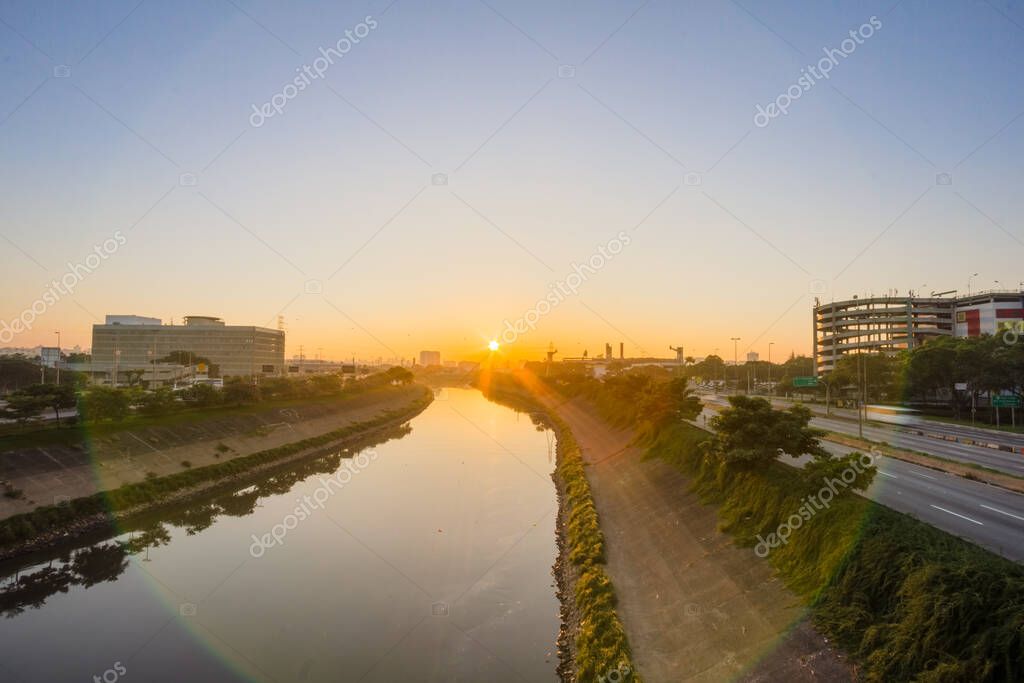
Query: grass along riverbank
52	522
593	641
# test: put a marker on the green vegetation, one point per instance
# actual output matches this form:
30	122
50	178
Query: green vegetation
601	643
109	410
28	402
154	489
908	601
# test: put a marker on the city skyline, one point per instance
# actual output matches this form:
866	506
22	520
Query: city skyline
447	168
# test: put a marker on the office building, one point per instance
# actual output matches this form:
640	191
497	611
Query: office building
430	358
136	342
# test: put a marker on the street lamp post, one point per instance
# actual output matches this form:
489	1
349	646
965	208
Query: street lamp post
771	389
969	277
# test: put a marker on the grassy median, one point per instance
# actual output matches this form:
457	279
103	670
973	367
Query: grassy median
908	601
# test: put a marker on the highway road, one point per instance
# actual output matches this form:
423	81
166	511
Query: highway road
985	515
903	437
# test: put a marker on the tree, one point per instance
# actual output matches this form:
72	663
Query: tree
29	402
60	396
103	403
796	366
241	392
710	369
157	402
668	402
397	374
326	385
750	433
23	406
17	371
204	395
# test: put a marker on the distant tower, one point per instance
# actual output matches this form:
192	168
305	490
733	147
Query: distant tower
551	352
551	357
607	351
679	356
622	351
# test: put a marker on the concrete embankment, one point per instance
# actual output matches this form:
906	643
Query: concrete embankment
48	524
47	473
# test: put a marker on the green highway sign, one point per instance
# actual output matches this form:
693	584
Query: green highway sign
1006	401
805	381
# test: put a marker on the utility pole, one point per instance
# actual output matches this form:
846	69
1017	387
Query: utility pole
735	359
57	363
860	398
771	389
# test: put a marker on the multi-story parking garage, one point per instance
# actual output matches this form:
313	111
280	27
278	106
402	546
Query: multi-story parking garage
889	324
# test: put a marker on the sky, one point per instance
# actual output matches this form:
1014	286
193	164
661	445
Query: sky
455	162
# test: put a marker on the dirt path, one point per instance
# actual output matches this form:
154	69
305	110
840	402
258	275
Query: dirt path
695	606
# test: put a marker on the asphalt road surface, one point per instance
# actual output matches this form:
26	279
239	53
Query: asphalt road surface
902	437
986	515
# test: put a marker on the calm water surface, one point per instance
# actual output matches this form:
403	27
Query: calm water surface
432	562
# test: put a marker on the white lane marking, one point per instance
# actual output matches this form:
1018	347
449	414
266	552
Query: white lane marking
924	475
1003	512
958	515
886	474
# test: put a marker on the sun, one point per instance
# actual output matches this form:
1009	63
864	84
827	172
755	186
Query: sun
492	345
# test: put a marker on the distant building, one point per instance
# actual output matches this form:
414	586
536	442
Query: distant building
430	358
49	355
889	324
132	320
752	356
136	342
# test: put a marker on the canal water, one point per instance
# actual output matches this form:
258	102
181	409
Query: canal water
424	557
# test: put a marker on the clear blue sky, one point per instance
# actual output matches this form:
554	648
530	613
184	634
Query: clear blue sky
541	169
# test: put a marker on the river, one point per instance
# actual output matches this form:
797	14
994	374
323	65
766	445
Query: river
424	557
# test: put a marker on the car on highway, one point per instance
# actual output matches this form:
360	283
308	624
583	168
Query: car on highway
893	414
